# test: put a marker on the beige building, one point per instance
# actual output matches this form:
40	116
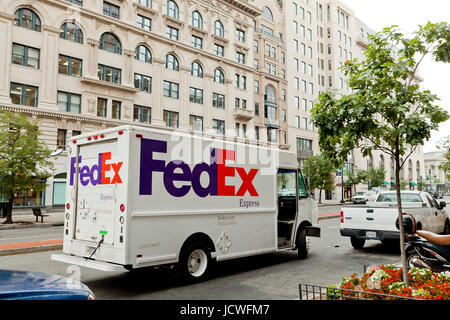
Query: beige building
434	174
79	66
231	69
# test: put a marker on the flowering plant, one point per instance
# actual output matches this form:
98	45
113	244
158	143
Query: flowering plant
387	280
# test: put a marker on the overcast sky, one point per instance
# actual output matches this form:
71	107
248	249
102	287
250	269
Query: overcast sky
408	15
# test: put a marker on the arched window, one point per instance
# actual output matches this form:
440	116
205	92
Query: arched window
111	43
381	161
218	76
218	29
70	31
196	69
172	62
28	19
267	14
197	20
270	95
143	53
172	9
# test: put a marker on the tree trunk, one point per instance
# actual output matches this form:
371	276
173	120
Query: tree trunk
320	196
400	216
9	211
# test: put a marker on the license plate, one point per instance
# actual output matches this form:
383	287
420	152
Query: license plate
371	234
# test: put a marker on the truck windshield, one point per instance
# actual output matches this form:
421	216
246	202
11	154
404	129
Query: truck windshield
405	197
287	182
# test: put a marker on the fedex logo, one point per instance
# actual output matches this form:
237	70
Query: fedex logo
101	168
217	171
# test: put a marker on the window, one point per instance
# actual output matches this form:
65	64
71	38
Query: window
256	86
240	57
219	50
101	107
240	35
218	100
24	94
197	20
70	31
172	63
195	123
116	109
304	144
171	118
195	95
255	46
76	133
69	102
25	56
171	89
77	2
144	23
111	10
146	3
110	43
28	19
61	138
218	29
256	109
271	135
143	53
109	74
69	66
219	126
218	76
244	82
257	133
196	70
197	42
172	32
172	9
297	122
237	102
143	83
142	114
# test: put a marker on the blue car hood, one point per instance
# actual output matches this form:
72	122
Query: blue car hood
36	285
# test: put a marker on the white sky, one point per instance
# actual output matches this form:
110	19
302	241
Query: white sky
408	15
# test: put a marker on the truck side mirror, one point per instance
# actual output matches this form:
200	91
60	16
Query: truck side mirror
442	205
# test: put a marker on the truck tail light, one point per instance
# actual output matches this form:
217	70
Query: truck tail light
74	141
342	216
89	138
102	136
68	206
138	135
120	132
122	207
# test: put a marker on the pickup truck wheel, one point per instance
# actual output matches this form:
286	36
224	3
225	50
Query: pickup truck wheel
195	262
357	243
302	245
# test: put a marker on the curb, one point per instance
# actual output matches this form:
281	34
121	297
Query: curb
28	247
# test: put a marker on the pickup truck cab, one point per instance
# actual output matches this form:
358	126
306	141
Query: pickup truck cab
376	220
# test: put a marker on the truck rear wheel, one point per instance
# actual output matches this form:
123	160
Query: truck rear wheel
357	243
195	262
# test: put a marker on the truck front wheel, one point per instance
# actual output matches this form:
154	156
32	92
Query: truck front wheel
357	243
195	262
302	244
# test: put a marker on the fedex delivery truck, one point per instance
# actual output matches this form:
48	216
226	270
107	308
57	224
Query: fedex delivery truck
139	197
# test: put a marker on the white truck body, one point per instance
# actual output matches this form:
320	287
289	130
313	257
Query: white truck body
136	196
376	220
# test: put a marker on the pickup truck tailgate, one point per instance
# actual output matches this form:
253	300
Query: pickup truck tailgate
369	218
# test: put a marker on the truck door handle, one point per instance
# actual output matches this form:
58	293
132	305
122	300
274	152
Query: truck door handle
369	210
369	218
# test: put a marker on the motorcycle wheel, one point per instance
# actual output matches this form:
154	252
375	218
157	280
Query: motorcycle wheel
413	260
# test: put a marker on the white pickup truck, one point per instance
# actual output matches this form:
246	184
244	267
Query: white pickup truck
376	220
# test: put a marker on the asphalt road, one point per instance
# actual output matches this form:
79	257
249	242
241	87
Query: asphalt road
265	277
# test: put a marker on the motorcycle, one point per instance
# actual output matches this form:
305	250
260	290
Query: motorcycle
421	253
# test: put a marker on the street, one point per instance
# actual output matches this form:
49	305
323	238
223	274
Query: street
265	277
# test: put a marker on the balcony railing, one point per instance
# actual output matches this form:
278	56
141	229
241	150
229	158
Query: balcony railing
271	123
243	114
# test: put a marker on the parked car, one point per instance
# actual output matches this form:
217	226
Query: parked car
23	285
377	220
364	197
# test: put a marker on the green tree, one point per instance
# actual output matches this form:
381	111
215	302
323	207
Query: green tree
320	171
24	159
387	110
375	177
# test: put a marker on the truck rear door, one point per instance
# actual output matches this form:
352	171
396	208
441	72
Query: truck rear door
369	218
97	191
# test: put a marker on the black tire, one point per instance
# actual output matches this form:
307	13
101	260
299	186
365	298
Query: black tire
357	243
410	256
194	263
302	246
447	227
